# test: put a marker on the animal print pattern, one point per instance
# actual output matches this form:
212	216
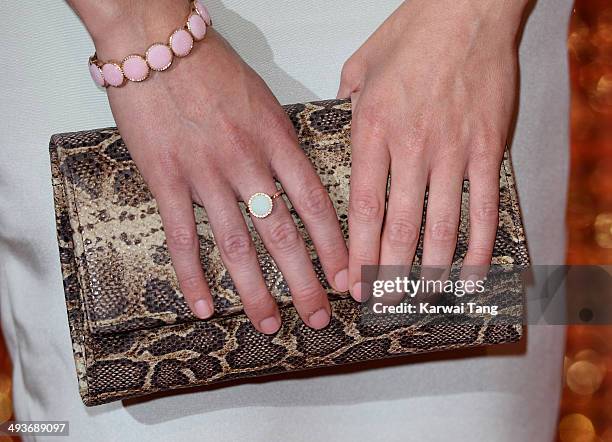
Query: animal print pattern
132	331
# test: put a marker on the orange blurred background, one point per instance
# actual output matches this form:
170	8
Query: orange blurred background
586	407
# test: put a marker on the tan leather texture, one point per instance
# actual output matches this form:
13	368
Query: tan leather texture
132	331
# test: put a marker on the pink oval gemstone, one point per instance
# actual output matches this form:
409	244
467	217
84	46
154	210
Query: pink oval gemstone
181	42
196	26
112	74
159	57
135	68
203	11
96	75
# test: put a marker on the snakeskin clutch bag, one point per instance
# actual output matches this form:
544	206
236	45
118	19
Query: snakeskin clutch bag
132	331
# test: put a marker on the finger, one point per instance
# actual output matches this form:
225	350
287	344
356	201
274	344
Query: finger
314	206
239	256
344	91
286	245
402	221
404	212
349	78
370	168
176	210
484	216
442	221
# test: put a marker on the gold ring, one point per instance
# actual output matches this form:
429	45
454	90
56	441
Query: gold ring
261	204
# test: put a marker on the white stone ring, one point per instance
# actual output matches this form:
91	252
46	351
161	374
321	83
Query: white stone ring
261	204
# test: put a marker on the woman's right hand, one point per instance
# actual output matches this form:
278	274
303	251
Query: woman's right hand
209	131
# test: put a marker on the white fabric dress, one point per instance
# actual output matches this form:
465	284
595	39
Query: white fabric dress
298	47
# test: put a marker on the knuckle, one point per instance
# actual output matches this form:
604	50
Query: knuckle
284	236
486	212
258	304
365	206
167	158
317	203
332	255
168	164
181	238
361	257
489	134
479	254
413	147
402	233
443	231
416	140
310	294
279	122
371	117
483	158
236	247
332	250
487	147
190	284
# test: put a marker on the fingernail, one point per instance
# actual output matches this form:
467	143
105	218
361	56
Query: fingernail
270	325
341	280
474	278
202	309
359	292
319	319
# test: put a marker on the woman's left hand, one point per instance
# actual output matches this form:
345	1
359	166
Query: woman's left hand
433	93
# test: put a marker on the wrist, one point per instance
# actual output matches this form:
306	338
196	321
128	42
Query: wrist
500	19
120	27
503	15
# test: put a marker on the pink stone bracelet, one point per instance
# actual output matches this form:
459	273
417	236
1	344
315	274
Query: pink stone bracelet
158	57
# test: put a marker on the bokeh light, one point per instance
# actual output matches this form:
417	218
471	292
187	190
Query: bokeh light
576	428
586	407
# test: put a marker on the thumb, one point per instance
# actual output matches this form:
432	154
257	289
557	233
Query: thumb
349	78
344	91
